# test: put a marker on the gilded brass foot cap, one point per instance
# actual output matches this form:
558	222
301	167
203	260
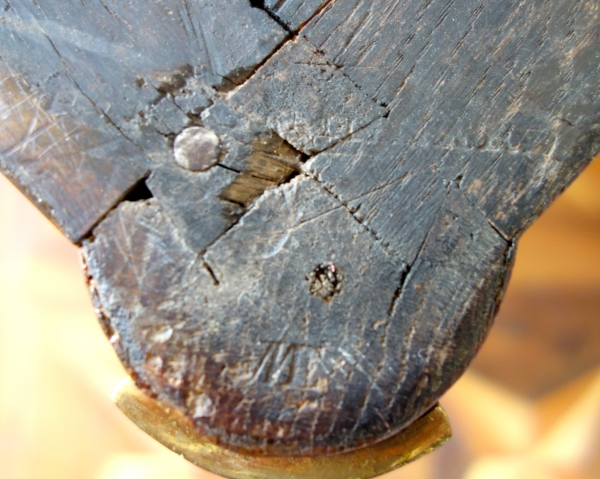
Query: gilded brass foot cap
166	426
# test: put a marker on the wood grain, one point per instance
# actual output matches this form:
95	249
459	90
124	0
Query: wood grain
400	146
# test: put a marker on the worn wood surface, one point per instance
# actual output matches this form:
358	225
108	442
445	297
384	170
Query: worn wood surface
337	267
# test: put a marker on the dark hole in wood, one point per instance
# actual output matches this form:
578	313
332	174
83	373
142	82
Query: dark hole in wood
325	281
140	192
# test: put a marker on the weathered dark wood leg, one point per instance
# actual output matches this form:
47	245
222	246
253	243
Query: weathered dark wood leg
298	218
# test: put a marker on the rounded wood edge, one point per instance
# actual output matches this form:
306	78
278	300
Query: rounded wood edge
171	428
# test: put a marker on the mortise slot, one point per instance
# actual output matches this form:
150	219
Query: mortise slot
273	162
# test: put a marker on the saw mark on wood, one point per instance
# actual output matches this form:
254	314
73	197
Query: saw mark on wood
260	4
295	14
31	139
288	103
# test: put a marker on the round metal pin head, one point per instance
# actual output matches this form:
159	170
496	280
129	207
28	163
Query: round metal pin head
196	149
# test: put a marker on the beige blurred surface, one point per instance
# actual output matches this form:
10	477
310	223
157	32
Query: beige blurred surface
529	408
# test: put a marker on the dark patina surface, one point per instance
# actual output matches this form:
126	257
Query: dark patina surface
330	266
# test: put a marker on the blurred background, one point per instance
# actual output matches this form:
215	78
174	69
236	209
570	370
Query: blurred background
528	408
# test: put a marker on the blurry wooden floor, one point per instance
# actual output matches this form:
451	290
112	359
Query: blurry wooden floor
529	408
